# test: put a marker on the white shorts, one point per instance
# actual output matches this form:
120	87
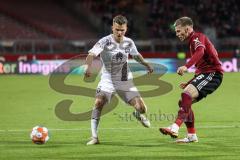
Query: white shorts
125	89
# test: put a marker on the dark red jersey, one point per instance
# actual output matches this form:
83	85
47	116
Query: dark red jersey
203	54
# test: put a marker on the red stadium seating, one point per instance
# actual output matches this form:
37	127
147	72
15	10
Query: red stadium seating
47	17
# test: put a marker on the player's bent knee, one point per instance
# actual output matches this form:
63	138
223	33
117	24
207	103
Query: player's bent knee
100	102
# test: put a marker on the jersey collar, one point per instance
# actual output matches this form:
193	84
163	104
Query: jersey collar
190	36
112	36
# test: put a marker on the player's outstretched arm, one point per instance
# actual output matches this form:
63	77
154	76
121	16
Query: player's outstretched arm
88	62
141	60
198	54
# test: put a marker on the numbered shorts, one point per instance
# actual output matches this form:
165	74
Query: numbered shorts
206	83
126	90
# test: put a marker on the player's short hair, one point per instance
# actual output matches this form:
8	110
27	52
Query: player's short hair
120	19
184	21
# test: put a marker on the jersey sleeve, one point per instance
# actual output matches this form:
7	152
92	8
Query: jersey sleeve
133	50
198	41
97	48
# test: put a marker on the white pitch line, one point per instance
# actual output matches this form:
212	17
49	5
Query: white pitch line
87	129
219	127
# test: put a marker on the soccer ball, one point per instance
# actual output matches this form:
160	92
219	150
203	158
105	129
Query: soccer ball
39	135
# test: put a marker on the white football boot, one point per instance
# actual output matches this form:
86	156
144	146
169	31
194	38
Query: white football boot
171	130
141	117
191	138
93	141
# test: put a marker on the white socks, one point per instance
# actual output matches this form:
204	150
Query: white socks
174	127
94	127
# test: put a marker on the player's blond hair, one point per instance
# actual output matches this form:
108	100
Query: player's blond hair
120	19
184	21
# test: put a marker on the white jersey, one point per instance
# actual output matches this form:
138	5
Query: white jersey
114	57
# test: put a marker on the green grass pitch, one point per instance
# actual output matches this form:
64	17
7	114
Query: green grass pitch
27	101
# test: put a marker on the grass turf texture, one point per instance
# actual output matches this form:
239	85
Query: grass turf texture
27	101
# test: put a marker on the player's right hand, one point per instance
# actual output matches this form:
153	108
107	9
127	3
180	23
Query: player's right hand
181	70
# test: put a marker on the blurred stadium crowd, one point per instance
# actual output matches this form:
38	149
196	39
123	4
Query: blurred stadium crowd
81	21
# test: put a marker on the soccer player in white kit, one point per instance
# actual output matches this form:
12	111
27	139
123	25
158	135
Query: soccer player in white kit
116	76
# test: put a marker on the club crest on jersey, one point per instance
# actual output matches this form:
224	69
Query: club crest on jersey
196	43
127	45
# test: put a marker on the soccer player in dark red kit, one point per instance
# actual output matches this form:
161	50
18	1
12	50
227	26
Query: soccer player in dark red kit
208	77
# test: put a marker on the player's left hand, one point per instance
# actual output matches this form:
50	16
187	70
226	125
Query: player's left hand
181	70
87	73
150	69
183	85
